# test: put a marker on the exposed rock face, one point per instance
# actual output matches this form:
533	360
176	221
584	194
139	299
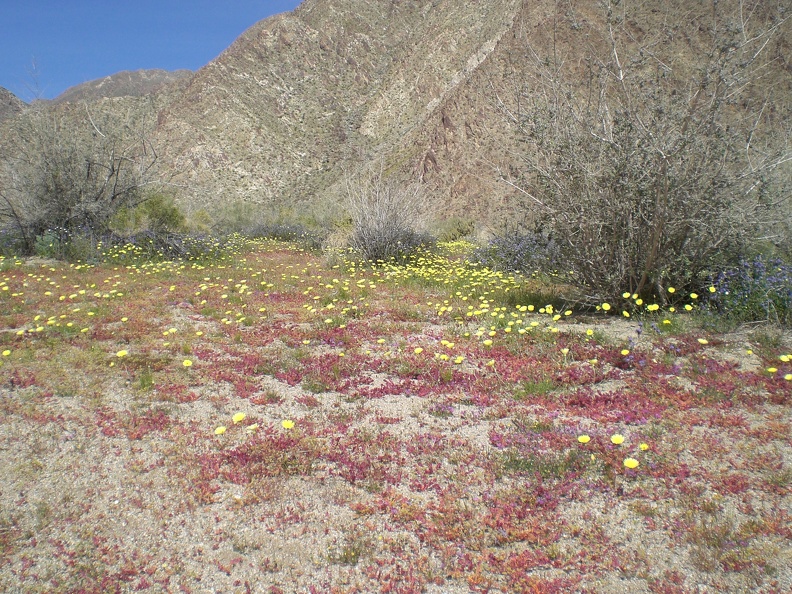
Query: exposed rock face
10	104
428	86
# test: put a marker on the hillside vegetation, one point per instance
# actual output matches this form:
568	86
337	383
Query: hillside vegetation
338	84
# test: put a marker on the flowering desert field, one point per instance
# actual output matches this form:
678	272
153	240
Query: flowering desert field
281	420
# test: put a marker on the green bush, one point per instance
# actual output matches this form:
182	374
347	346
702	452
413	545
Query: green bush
158	213
454	228
63	244
48	245
162	214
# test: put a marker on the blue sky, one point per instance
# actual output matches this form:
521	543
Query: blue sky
74	41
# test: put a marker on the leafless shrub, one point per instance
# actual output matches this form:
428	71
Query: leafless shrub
647	167
386	215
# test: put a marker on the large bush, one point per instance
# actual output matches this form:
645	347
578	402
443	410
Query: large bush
650	167
62	179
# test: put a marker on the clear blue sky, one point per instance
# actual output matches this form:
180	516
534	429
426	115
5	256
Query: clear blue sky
74	41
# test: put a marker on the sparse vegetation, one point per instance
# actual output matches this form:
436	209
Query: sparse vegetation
229	398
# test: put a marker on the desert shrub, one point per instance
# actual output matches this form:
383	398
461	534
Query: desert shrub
454	229
391	246
257	221
162	215
758	289
154	227
157	213
146	245
649	170
65	244
308	238
48	244
81	246
149	245
11	242
58	179
385	216
519	251
199	221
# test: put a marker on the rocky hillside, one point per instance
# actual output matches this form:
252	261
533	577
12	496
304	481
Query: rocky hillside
433	88
303	97
10	104
128	83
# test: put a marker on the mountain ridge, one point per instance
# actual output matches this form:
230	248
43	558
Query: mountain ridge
127	83
378	85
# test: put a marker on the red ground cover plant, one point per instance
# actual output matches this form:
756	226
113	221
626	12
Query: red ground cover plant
282	421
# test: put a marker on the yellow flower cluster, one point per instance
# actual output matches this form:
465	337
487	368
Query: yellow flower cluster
617	439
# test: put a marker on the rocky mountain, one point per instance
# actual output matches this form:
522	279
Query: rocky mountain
10	104
303	97
129	83
430	86
433	89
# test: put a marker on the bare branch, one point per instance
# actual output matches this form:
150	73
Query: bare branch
98	131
